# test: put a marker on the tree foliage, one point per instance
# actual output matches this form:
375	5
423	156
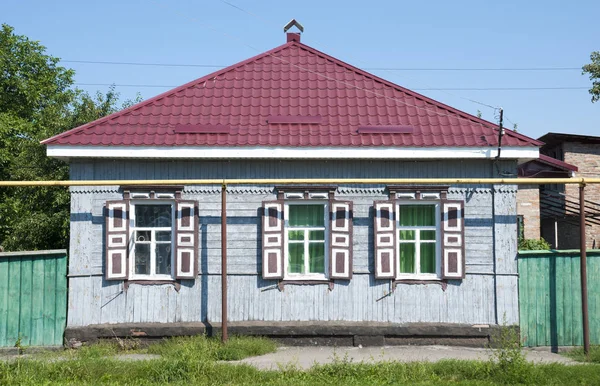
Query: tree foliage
37	101
593	69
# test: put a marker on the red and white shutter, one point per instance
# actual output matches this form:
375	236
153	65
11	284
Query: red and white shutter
186	237
117	240
340	245
453	240
385	239
272	240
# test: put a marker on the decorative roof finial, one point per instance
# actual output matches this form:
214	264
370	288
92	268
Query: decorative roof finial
291	24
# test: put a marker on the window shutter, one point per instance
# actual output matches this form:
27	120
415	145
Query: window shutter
453	240
340	245
117	240
272	240
385	239
186	237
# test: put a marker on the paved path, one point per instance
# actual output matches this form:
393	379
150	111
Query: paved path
306	357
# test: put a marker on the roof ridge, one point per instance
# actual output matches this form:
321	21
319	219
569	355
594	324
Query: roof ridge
172	91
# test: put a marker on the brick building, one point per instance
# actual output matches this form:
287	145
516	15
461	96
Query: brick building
528	196
559	205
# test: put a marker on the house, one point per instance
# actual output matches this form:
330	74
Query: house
341	261
559	205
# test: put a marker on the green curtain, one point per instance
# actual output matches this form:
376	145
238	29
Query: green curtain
296	257
316	263
407	257
427	257
417	215
306	215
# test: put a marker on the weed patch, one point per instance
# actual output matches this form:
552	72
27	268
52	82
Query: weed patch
578	355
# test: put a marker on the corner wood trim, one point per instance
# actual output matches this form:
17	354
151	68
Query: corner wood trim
282	283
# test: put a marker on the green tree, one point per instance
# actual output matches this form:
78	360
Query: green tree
593	69
37	101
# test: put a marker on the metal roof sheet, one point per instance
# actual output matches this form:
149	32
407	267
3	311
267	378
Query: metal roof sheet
297	84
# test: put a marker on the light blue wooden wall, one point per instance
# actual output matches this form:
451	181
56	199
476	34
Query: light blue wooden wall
481	297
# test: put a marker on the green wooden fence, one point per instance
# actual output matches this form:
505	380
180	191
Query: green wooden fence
550	297
33	298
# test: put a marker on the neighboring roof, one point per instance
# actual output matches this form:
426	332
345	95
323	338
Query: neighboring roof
552	139
546	166
290	96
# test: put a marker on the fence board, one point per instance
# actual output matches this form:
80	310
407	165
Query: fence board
33	298
550	298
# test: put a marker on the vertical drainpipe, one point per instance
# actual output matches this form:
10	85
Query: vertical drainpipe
224	262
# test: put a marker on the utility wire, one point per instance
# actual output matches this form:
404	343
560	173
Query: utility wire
364	68
456	115
415	89
428	86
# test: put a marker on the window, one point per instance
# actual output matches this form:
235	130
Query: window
419	235
307	235
305	231
152	235
418	240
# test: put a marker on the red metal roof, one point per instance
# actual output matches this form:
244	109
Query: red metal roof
291	96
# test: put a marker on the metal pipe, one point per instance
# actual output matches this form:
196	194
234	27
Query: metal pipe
224	262
583	266
337	181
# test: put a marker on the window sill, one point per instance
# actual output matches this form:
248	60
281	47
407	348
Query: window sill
442	282
176	283
281	285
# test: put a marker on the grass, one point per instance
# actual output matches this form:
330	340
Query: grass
578	355
199	361
201	372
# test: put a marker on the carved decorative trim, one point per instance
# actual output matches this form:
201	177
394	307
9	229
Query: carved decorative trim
281	285
176	283
442	283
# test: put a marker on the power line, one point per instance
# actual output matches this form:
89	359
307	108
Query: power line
364	68
415	89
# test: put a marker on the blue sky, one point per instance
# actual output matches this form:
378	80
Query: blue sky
375	34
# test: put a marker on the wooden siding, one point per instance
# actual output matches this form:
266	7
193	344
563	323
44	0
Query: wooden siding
550	298
93	300
33	298
473	301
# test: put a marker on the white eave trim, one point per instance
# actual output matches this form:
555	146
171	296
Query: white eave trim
197	152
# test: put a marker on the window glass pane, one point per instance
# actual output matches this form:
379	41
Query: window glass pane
407	235
143	236
163	259
428	258
316	262
427	235
142	259
417	215
317	235
407	258
296	235
153	216
163	236
296	257
306	215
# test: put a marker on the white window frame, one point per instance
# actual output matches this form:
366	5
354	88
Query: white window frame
286	228
133	229
438	246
